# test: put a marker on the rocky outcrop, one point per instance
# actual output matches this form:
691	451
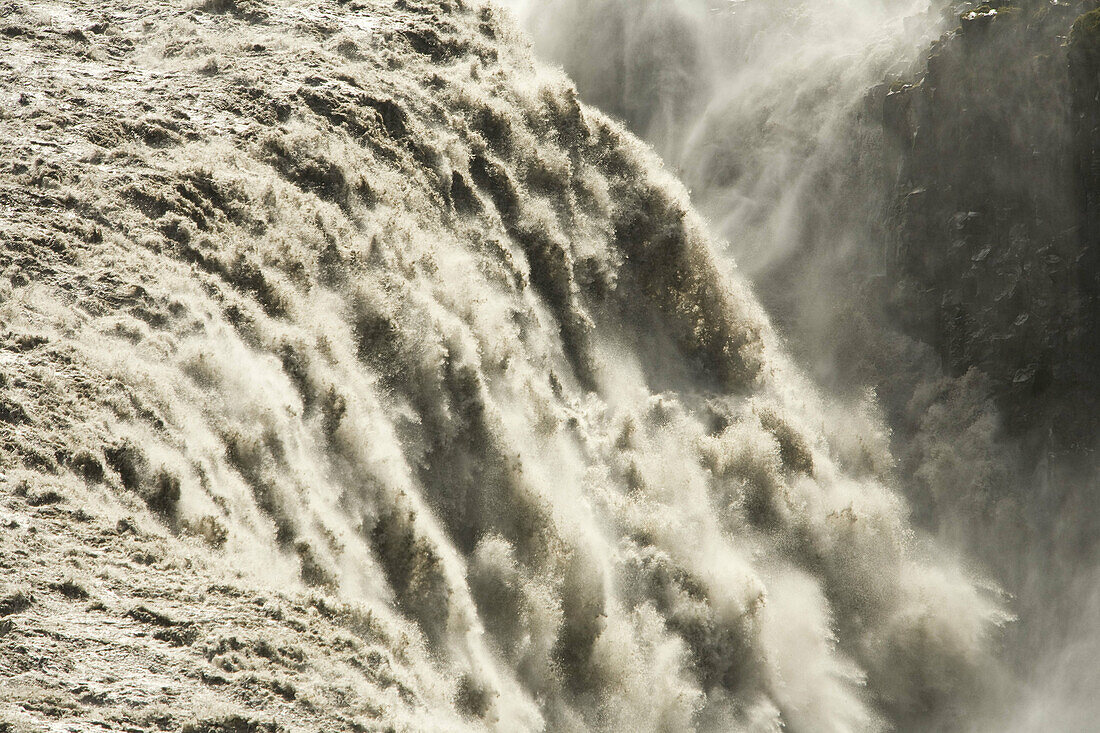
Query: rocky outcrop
993	248
1083	55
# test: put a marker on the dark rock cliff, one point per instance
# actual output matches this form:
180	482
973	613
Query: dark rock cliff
995	146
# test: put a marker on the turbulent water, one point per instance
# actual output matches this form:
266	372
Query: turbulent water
357	376
772	111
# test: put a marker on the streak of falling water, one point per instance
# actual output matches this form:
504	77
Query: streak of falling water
751	101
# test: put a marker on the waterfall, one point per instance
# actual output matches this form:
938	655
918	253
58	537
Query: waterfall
810	136
385	382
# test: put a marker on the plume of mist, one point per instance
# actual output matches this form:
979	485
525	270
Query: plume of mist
771	113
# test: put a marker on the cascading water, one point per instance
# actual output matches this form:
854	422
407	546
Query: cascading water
773	114
357	306
760	106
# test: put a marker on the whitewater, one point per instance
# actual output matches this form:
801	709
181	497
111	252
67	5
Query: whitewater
355	374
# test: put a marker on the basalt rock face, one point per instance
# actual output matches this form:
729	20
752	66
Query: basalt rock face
994	150
994	234
1083	55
